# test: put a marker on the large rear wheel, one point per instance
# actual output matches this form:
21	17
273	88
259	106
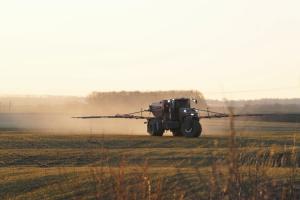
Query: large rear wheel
155	127
191	128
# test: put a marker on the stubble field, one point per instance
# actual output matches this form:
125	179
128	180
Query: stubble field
257	160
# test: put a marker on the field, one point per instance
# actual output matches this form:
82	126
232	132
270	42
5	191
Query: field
255	160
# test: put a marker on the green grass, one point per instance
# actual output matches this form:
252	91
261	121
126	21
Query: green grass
83	166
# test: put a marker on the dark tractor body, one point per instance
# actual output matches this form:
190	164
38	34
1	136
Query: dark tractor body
175	115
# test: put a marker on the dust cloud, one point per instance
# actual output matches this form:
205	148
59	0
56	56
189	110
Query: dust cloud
54	113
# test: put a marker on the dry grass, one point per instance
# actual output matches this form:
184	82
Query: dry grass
41	166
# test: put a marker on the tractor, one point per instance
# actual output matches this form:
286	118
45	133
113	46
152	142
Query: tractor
175	115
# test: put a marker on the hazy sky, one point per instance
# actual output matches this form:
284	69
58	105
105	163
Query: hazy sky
68	47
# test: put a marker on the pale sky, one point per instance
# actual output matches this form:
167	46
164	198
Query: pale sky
234	49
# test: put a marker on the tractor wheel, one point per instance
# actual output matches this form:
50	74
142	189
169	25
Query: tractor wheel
155	127
191	128
177	133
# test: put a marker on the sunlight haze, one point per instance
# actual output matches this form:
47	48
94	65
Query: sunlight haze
226	49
